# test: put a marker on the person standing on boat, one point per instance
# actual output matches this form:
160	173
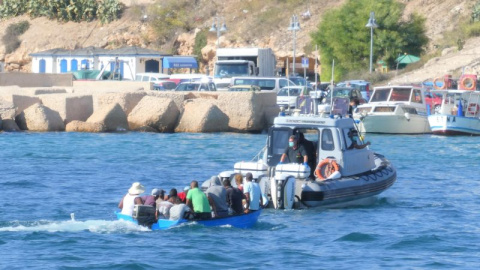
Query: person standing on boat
217	197
295	152
198	202
131	199
311	153
234	198
253	194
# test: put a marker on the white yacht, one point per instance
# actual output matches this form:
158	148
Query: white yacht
395	110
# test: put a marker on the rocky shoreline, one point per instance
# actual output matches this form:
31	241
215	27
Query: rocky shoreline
89	106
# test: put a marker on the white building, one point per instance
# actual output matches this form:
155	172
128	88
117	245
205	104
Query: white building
126	61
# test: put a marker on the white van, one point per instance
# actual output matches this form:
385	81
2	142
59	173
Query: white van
151	77
265	83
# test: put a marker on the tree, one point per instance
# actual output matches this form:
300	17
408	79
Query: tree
343	37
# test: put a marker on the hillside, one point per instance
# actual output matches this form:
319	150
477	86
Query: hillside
250	23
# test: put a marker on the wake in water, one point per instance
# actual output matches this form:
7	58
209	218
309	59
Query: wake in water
72	225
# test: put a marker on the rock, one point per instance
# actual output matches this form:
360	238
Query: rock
127	101
146	129
202	116
246	110
40	118
112	117
70	106
80	126
158	113
9	125
7	109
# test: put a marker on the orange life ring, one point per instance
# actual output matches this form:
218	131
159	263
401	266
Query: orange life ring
439	79
468	83
325	168
473	108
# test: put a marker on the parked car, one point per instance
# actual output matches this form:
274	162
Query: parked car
265	83
196	86
361	85
164	85
244	88
151	77
287	96
298	80
349	93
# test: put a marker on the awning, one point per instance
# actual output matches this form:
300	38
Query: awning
180	62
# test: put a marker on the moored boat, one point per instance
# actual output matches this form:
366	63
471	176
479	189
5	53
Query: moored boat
394	110
242	221
344	173
458	115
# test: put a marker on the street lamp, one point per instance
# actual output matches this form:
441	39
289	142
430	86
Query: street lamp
215	28
294	26
372	23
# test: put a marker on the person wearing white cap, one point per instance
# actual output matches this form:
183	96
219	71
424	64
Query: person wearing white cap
131	199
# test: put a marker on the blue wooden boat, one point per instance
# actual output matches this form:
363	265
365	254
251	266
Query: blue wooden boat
243	221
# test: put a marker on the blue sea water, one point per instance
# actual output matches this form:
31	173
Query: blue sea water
429	219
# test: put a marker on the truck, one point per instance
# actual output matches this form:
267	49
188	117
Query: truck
237	62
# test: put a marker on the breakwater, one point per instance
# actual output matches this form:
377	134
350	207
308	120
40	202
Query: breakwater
109	106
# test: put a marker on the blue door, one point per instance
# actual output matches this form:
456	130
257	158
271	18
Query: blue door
85	64
63	66
43	66
74	64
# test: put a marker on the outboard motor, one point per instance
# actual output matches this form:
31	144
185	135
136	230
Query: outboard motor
144	214
283	191
283	184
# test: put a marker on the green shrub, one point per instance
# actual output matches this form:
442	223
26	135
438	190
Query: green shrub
13	31
200	42
64	10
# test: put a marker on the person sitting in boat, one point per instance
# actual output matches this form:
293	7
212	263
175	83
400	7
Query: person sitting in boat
253	194
131	199
163	206
183	195
198	202
295	152
173	196
234	198
180	211
239	181
217	197
353	135
150	199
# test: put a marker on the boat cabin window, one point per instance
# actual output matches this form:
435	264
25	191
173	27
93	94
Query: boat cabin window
380	95
410	110
280	141
400	94
417	96
327	140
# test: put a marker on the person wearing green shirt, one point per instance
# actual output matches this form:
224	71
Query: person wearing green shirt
197	200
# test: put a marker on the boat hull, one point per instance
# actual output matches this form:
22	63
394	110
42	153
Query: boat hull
443	124
393	124
243	221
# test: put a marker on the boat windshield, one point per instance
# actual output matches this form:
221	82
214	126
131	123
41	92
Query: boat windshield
380	95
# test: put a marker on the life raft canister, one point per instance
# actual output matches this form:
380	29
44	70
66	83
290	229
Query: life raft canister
325	168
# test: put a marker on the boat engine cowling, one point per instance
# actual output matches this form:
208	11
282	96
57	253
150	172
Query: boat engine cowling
282	191
257	169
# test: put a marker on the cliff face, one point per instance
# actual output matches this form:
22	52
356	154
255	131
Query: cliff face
241	17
